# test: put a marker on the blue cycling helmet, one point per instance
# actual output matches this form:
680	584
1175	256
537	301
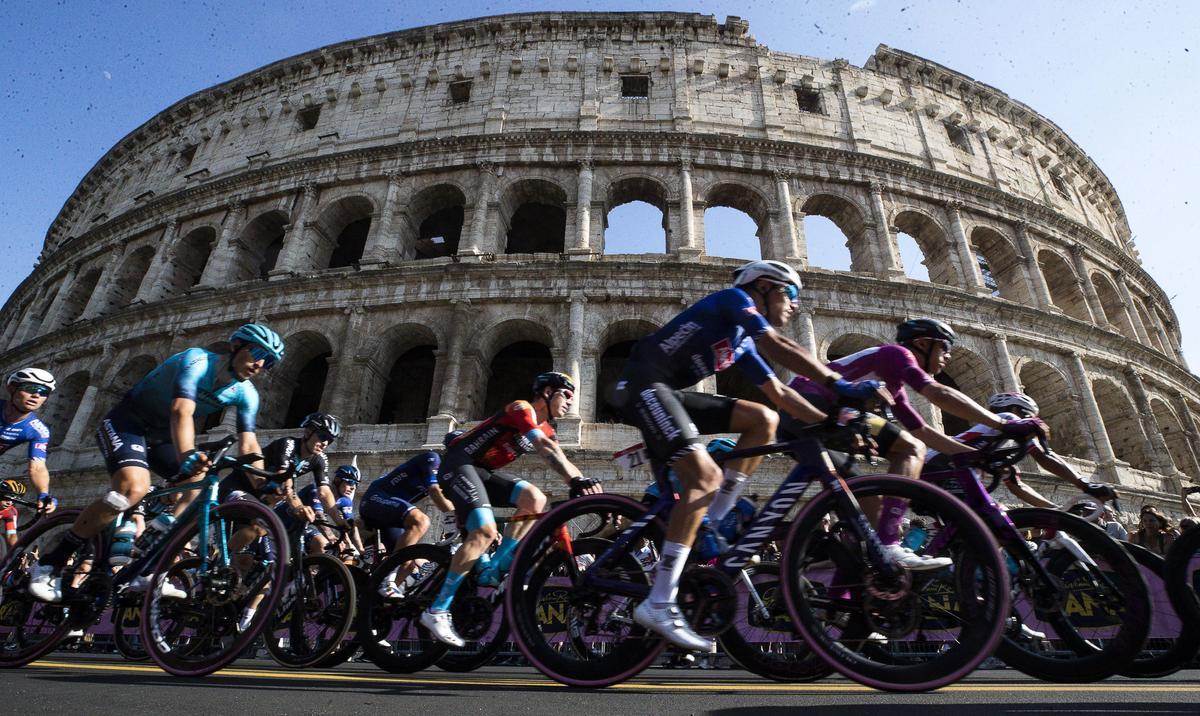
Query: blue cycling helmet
256	334
349	473
452	436
720	445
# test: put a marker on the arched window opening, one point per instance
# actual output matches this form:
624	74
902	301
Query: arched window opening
409	387
911	257
731	233
1113	306
1151	328
537	228
970	373
823	241
1001	266
191	256
849	344
439	233
1064	285
989	275
612	363
636	210
341	232
1060	409
951	424
932	245
128	280
263	239
828	247
310	385
1121	423
1176	439
77	299
512	371
350	244
60	410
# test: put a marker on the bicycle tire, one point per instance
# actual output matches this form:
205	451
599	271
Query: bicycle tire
1163	619
201	632
1079	651
127	630
1181	572
877	641
768	645
350	643
612	649
324	599
395	622
30	629
486	633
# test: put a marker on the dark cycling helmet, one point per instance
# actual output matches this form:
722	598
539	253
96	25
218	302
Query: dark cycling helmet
261	336
1008	401
36	376
349	473
720	445
452	436
773	271
323	422
12	488
924	328
551	379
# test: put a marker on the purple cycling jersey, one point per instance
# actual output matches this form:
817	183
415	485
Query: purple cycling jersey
894	364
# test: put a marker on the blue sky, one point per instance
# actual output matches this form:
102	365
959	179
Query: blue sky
1119	78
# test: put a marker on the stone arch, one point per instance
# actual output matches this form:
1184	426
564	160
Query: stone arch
1114	308
970	373
437	213
1063	284
342	227
534	217
848	216
123	286
1121	422
1059	406
1000	264
613	353
78	295
189	258
262	240
934	243
405	358
746	199
1177	442
511	373
850	343
295	387
638	188
1152	331
61	407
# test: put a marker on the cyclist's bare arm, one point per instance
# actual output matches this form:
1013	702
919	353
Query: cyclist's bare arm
39	477
791	402
959	405
439	500
1055	466
1027	494
793	356
939	441
183	426
553	455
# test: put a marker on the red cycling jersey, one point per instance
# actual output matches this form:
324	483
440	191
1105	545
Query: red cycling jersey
8	518
502	438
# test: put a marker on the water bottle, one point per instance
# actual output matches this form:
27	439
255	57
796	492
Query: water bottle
154	532
120	552
915	539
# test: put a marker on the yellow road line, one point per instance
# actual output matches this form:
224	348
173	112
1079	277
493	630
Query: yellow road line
327	676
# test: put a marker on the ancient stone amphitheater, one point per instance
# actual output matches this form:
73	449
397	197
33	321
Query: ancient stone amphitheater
422	215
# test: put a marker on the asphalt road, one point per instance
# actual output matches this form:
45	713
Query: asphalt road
86	684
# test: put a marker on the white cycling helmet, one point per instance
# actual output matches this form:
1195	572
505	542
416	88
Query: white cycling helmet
773	271
36	376
1007	401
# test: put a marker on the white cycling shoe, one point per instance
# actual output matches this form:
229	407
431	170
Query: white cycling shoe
168	590
903	557
441	625
44	584
390	590
667	621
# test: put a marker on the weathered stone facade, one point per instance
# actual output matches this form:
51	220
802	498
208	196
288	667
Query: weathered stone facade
407	208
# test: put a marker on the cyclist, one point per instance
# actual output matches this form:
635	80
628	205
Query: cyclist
389	508
8	510
470	477
711	539
28	389
340	509
152	427
726	328
922	347
1017	406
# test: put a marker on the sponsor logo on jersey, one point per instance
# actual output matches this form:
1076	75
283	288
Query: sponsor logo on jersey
679	337
722	354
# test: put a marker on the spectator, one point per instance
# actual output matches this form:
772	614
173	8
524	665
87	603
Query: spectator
1186	524
1154	531
1116	530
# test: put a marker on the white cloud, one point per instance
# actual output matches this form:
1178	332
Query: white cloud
862	5
107	75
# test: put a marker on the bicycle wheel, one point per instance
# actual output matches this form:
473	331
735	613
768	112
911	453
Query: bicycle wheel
761	638
577	635
350	643
1091	621
29	629
1181	567
390	630
199	634
127	629
478	613
914	631
1173	641
314	614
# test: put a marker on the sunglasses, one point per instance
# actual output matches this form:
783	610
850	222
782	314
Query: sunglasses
945	344
33	389
565	393
324	437
258	353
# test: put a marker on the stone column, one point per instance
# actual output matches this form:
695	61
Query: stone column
296	254
459	333
477	236
1089	288
806	335
152	284
1135	319
972	278
50	322
340	385
787	243
1160	455
574	357
1091	414
583	210
1190	434
107	283
1033	272
217	272
686	243
83	416
383	233
888	254
1008	377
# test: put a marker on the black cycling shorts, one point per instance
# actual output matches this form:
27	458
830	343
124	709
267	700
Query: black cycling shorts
671	421
470	487
124	442
386	514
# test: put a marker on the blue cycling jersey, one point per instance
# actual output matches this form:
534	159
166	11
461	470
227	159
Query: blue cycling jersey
410	481
191	374
707	337
309	496
28	430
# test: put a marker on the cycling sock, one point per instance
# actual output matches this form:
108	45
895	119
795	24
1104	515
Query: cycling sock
503	557
67	546
446	595
667	573
889	519
726	497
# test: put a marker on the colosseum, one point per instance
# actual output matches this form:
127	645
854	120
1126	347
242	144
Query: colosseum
422	215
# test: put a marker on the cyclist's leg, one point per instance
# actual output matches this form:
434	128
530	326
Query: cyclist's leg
506	489
464	486
756	424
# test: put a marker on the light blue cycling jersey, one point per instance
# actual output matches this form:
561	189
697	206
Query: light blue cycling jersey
191	374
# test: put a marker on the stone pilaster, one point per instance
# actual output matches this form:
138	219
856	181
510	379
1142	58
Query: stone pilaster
476	242
1033	271
382	245
1092	416
583	210
296	255
971	277
217	272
